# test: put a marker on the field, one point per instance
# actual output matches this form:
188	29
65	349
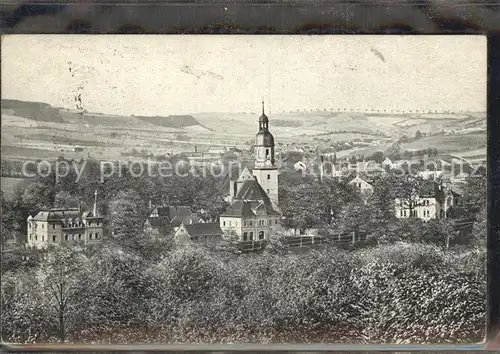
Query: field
27	133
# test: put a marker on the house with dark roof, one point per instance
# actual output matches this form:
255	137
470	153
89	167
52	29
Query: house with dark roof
58	226
434	201
164	219
198	233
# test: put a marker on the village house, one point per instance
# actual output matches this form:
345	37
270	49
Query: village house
170	218
198	233
363	187
435	201
58	226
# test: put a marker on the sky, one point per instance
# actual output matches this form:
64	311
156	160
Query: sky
163	75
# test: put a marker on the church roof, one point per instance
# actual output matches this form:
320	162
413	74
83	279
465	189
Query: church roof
250	198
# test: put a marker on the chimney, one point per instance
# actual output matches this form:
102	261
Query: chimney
235	188
95	204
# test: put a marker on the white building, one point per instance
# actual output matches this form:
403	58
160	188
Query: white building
433	202
59	226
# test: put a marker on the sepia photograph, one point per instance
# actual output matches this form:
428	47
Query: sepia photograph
251	189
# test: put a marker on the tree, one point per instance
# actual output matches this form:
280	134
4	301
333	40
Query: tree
38	195
59	277
378	157
409	192
127	215
64	199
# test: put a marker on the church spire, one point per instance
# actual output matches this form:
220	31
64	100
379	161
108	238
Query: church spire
263	105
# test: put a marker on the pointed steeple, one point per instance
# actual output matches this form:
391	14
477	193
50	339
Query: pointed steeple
263	120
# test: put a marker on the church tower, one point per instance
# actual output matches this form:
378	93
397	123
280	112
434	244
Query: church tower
265	170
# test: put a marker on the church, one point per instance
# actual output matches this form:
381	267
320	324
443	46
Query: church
253	213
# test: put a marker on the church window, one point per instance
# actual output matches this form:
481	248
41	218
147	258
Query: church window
54	237
90	236
261	235
267	152
245	236
268	176
251	236
98	223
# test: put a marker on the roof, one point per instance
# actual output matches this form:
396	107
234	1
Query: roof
171	211
432	189
176	221
206	229
245	208
157	221
251	190
61	214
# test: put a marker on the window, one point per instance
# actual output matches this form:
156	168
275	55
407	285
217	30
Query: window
244	223
96	235
98	223
73	237
66	237
36	237
267	191
404	213
90	223
268	176
43	238
267	152
90	236
54	238
245	236
250	223
30	236
42	226
53	226
261	235
276	221
223	223
251	236
270	222
400	213
79	236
